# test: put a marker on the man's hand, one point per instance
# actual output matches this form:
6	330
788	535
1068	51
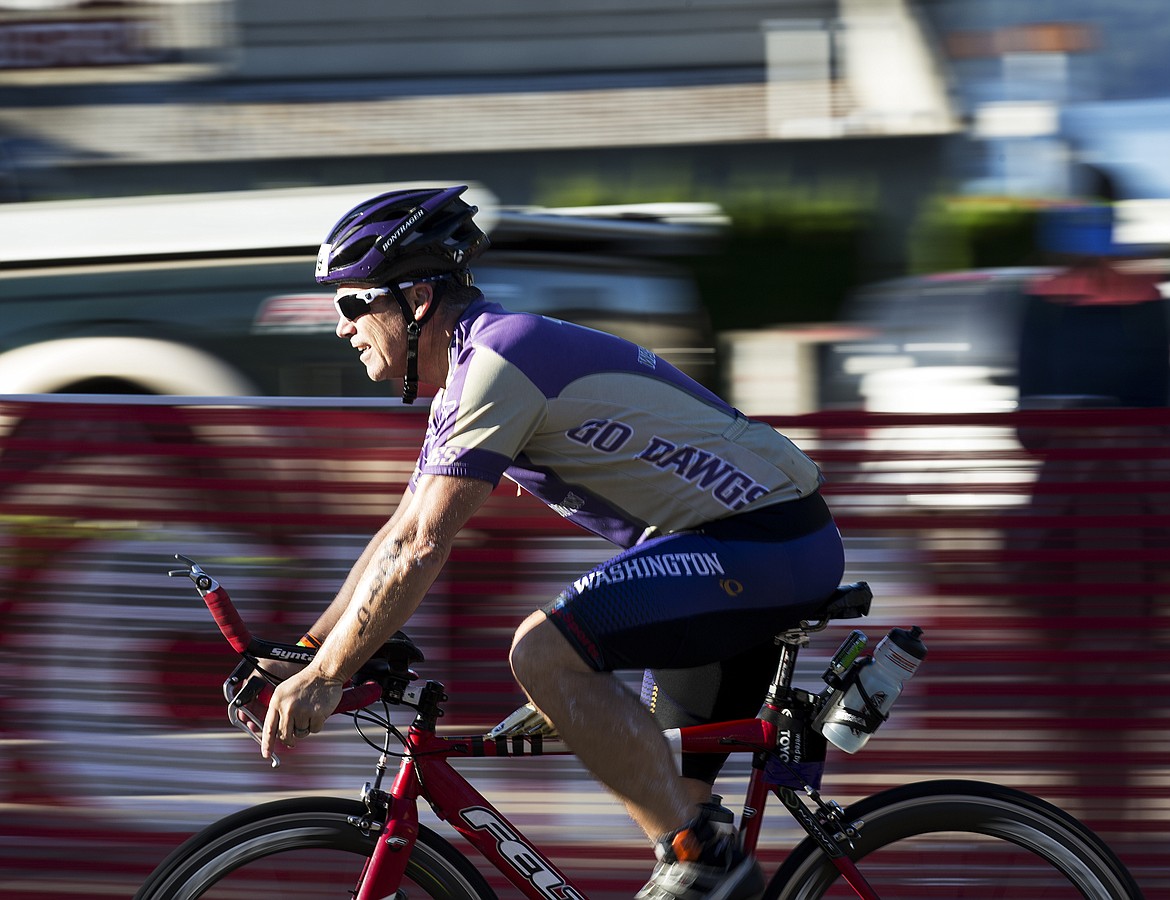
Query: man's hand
299	707
251	716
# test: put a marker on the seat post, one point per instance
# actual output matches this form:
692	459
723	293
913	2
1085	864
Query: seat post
790	643
847	602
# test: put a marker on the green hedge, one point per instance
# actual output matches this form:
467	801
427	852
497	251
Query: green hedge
793	257
783	264
954	233
792	253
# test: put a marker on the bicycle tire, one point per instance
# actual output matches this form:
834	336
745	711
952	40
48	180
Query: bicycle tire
961	839
302	848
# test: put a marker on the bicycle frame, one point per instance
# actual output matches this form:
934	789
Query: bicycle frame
425	771
455	801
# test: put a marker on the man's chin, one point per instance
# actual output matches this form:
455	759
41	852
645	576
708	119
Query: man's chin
379	373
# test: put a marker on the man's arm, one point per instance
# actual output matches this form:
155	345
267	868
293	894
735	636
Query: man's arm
325	622
399	569
328	619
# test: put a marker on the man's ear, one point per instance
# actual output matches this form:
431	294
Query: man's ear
424	296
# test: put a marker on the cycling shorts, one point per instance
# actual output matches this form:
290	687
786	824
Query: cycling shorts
696	597
698	611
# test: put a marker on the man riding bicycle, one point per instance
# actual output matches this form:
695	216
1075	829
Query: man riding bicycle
724	538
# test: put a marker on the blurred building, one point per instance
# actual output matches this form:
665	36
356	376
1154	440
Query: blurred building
1062	97
1013	97
215	94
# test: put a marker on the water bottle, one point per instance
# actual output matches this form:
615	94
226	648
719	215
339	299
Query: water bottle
851	715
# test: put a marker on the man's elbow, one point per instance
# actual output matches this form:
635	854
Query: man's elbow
416	554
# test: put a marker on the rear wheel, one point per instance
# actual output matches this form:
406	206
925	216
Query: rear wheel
947	840
302	849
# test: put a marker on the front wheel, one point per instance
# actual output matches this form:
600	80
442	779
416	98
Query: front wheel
947	840
302	849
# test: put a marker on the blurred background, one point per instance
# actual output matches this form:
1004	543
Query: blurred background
926	238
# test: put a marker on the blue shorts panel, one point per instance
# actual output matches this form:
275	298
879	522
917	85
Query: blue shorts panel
690	599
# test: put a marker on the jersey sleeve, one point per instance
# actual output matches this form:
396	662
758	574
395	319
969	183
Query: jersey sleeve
481	420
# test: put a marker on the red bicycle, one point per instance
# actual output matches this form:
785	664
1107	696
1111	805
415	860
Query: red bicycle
934	839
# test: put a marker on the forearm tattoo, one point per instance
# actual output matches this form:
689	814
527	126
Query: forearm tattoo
384	564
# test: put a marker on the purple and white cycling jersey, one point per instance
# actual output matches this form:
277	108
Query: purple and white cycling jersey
602	430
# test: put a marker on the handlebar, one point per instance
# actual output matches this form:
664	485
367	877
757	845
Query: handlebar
384	677
220	605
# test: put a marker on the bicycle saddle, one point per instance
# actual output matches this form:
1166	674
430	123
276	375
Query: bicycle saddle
849	601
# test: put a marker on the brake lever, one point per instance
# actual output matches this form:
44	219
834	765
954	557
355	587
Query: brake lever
238	701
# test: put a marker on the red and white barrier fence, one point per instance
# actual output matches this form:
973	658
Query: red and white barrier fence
1034	548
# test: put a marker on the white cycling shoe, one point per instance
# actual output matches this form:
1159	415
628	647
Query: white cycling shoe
698	863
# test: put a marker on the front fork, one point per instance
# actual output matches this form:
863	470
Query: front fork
393	818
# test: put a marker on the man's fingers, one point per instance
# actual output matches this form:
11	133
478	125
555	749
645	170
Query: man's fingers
270	733
299	707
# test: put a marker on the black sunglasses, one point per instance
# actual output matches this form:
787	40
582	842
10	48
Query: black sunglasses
354	306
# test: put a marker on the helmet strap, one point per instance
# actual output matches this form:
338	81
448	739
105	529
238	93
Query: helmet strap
413	330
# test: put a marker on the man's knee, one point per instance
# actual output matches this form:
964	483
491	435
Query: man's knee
540	652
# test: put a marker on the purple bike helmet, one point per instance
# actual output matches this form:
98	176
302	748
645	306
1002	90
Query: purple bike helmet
401	233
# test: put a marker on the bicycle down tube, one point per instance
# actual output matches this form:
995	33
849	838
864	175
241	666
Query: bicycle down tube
467	811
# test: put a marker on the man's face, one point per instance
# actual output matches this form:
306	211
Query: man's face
378	334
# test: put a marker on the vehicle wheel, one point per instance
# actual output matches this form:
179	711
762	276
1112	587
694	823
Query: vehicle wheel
961	839
300	849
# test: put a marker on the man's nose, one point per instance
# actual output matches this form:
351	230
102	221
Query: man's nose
344	327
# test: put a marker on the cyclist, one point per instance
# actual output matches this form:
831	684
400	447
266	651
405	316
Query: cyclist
725	539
